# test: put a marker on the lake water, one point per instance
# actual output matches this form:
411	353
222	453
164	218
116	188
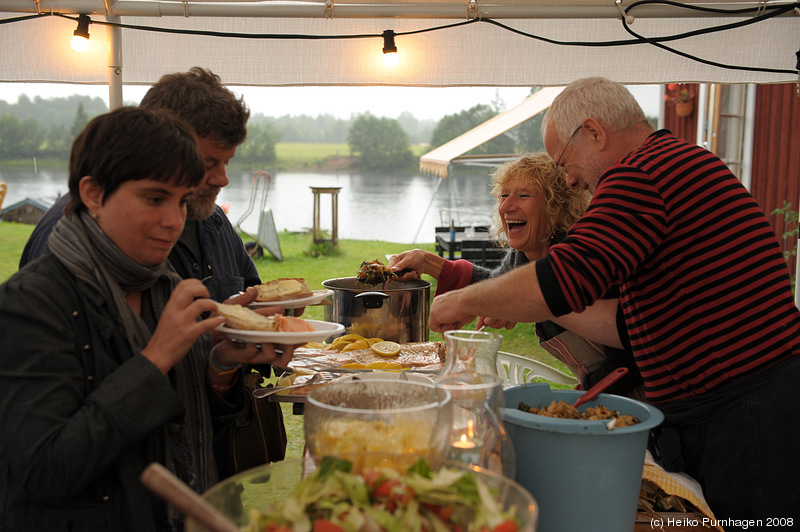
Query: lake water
372	206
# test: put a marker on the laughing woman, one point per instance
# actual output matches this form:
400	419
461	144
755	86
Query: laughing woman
534	209
103	364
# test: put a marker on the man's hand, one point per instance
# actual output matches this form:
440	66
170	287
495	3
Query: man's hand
446	314
495	323
244	298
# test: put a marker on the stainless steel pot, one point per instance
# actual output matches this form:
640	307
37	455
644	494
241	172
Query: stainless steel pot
397	311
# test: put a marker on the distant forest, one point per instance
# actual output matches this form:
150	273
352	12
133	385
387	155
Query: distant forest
45	128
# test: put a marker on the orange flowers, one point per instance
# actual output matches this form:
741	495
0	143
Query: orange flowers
678	93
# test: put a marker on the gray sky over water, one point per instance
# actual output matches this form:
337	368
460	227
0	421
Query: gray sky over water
342	102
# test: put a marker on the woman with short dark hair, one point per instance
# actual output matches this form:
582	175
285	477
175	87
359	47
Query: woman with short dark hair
104	361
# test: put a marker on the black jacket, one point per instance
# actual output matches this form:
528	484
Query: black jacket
82	415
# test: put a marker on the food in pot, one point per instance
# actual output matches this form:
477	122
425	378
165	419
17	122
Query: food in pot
380	499
397	311
374	272
564	410
243	318
283	289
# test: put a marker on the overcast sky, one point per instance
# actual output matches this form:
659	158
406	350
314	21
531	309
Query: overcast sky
342	102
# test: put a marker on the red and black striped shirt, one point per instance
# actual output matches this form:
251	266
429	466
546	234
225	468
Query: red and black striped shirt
704	288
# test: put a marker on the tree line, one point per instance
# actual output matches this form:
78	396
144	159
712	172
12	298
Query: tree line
45	128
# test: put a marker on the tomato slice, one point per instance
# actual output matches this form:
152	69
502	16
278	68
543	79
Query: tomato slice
385	489
371	477
323	525
509	525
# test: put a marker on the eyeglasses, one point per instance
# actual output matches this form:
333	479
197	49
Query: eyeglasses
558	161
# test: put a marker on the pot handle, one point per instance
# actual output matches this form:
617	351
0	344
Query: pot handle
371	299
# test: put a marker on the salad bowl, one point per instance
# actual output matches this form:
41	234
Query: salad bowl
247	499
387	416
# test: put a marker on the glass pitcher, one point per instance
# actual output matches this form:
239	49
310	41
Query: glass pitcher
477	435
470	374
472	352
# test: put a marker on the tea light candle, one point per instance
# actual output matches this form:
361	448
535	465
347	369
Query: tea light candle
465	443
466	449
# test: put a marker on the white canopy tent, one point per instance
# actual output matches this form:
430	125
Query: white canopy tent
441	43
525	43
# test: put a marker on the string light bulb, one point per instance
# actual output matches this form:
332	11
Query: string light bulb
80	37
390	58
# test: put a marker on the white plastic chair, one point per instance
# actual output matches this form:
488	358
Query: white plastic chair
516	369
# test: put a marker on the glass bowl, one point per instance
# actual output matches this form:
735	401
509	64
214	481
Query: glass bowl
389	416
256	488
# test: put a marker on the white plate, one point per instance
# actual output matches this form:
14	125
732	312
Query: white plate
322	331
314	299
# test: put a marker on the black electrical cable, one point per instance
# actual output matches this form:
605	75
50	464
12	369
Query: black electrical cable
26	17
208	33
692	7
288	36
776	11
656	42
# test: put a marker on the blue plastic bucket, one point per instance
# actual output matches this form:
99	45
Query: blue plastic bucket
585	477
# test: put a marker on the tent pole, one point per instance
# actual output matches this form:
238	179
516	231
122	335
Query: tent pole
114	36
433	197
388	10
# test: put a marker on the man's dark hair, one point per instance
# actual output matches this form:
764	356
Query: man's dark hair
203	102
130	144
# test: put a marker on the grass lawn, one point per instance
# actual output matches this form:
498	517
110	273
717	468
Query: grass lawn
300	261
12	240
303	155
298	155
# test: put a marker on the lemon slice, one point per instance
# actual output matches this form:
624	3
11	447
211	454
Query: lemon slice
339	344
351	337
353	365
386	349
358	344
373	341
384	365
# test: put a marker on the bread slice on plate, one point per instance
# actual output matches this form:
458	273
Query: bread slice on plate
243	318
239	317
283	289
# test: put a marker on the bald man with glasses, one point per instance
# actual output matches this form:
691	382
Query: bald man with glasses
706	303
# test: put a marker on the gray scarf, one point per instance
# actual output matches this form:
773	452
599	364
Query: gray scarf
79	243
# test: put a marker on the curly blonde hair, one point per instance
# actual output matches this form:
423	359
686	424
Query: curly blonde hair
563	205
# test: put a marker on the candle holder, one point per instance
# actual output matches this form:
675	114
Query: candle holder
477	435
